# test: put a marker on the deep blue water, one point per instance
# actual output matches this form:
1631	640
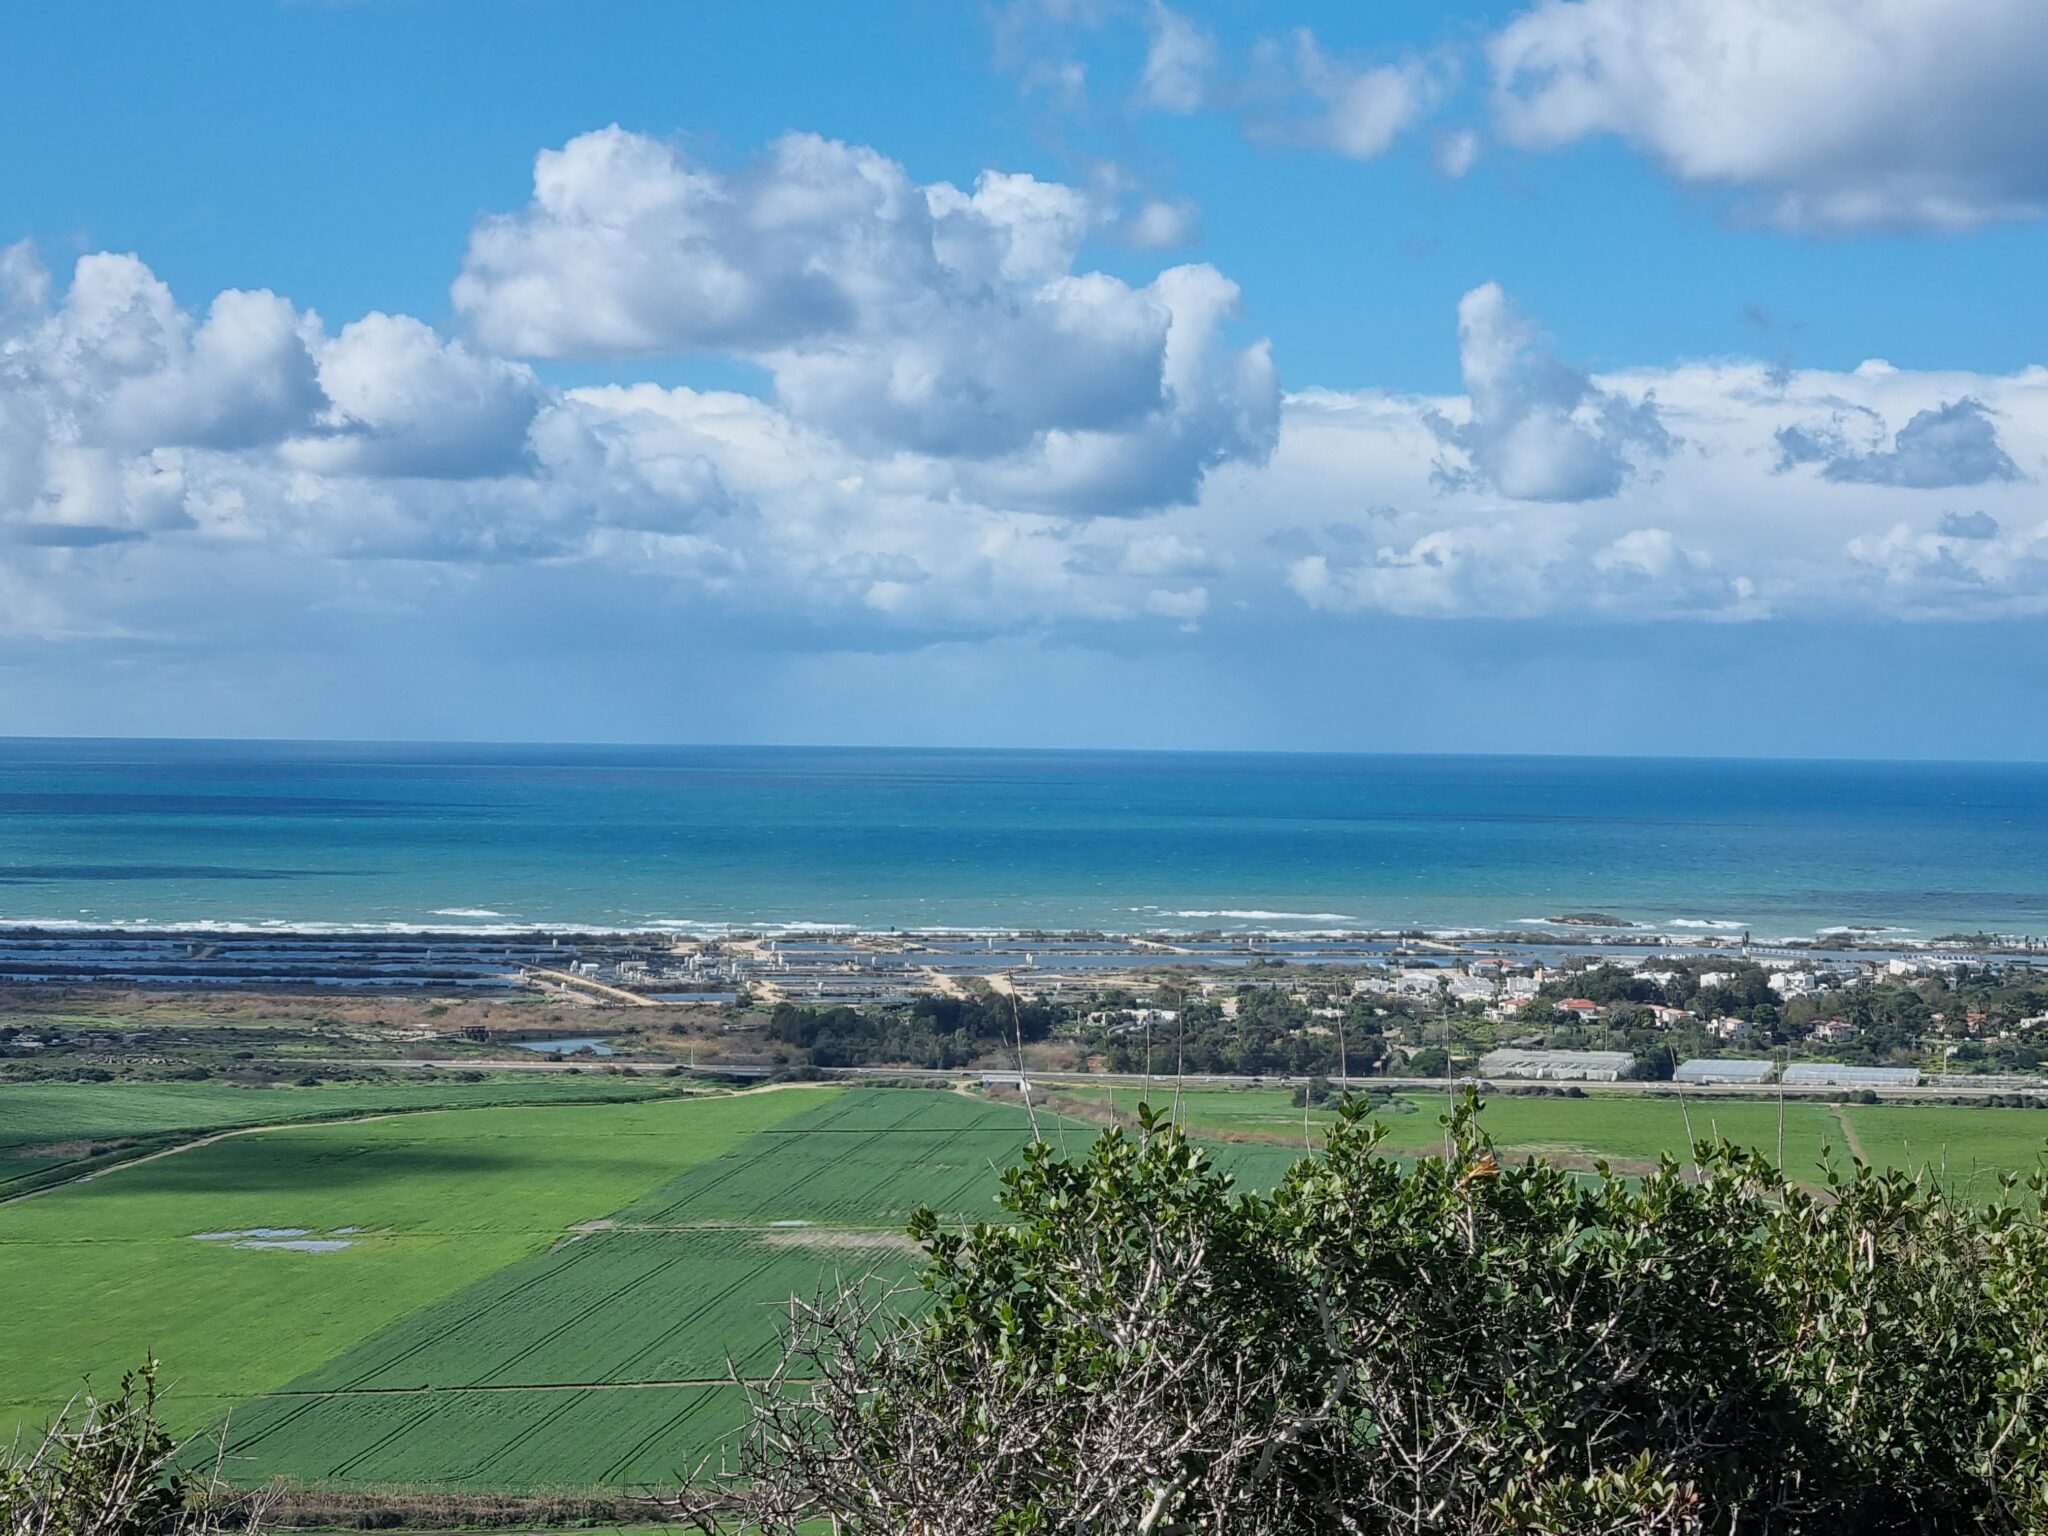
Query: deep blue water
105	831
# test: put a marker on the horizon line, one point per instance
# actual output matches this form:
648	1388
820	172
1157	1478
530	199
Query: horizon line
1036	750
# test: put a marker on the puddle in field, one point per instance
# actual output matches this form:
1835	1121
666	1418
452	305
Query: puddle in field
295	1239
789	1223
302	1244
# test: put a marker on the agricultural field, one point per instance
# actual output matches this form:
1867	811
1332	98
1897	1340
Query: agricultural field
56	1130
551	1295
1967	1147
605	1357
1633	1130
244	1263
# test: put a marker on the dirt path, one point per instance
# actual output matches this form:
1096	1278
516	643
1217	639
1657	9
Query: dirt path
947	986
585	984
1849	1136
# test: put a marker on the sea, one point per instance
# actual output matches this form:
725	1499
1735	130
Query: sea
700	839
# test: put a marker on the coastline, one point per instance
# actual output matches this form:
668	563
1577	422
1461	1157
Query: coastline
1865	938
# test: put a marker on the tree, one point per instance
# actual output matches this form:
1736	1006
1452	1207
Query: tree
1315	1091
1655	1063
1430	1061
1453	1345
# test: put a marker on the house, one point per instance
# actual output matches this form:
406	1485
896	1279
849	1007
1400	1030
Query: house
1522	988
1422	983
1715	979
1579	1008
1835	1031
1731	1029
1668	1018
1793	983
1471	989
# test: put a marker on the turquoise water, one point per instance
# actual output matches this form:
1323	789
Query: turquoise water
232	832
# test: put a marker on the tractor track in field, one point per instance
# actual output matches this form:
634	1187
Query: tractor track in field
521	1386
1855	1142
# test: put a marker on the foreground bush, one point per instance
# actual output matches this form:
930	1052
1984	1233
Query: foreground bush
1453	1346
107	1468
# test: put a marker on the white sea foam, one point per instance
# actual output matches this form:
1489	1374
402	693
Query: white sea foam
1720	923
468	912
1255	915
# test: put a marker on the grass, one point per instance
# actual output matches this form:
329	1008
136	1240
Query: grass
55	1130
544	1296
597	1361
1967	1147
621	1438
1633	1130
611	1307
99	1274
865	1160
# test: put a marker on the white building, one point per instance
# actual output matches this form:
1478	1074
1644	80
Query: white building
1420	983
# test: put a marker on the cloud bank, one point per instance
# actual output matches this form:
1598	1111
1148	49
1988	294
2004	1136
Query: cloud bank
966	429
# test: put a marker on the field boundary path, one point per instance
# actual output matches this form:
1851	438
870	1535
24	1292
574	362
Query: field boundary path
1849	1136
210	1138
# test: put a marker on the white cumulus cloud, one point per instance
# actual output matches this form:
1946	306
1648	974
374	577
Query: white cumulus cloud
923	319
1826	114
1537	429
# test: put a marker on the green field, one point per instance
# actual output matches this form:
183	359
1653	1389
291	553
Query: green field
55	1130
1632	1130
101	1273
550	1294
599	1360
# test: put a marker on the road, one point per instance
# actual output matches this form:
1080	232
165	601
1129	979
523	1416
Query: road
572	983
1955	1088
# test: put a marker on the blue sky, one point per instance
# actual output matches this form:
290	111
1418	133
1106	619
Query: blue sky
1583	375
